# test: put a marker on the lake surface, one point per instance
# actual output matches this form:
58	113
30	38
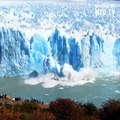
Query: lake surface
97	92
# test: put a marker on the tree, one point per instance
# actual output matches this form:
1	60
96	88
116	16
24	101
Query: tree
41	115
29	106
90	109
7	114
110	110
66	109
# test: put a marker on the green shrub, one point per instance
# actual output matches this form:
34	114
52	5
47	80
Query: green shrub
90	109
29	106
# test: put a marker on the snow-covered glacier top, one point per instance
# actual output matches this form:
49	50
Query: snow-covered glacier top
60	38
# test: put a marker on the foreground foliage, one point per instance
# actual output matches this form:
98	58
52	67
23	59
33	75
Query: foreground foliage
66	109
60	109
110	110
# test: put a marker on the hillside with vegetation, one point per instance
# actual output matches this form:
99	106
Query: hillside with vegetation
59	109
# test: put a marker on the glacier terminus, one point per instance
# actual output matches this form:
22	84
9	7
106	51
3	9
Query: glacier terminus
42	38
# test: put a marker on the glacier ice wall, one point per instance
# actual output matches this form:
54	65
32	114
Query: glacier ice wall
14	52
20	56
47	37
116	52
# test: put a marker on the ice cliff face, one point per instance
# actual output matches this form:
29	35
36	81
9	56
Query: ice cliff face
116	53
19	56
14	52
45	37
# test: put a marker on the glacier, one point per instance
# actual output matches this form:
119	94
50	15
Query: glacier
59	41
20	57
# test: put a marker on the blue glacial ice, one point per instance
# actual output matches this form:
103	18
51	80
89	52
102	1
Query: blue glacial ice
20	57
49	38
